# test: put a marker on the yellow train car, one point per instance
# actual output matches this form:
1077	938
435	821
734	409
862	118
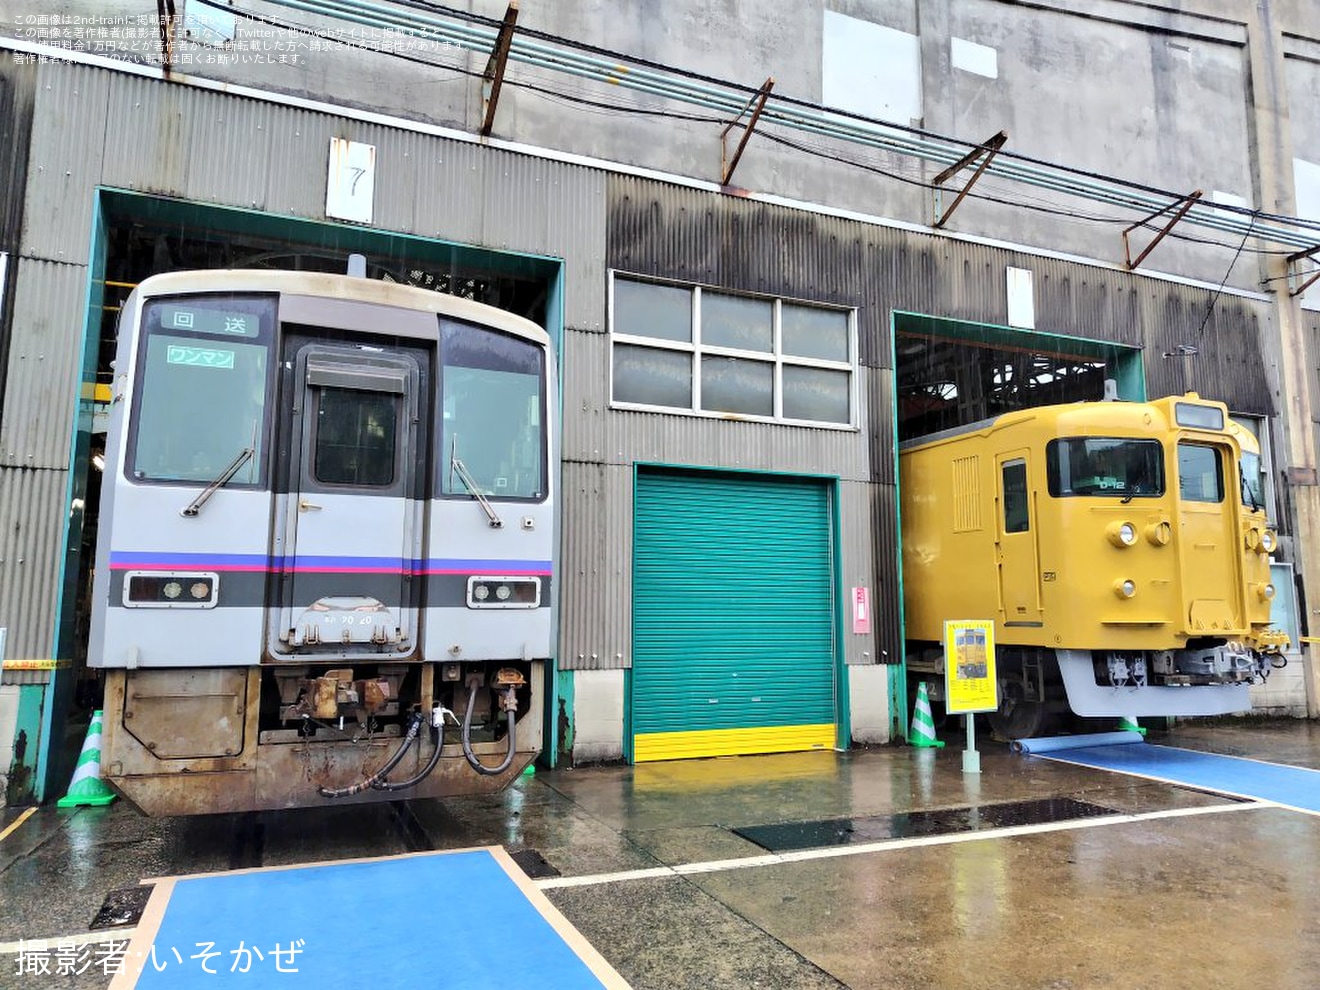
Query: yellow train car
1120	548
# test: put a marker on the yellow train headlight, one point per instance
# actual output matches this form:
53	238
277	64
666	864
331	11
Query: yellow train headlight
1268	542
1125	587
1121	534
1253	538
1159	534
1265	592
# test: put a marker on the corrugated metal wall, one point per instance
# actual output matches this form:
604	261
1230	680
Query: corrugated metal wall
672	232
16	85
93	127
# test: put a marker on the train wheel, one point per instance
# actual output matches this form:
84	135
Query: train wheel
1016	717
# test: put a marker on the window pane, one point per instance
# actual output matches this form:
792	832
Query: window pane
652	377
816	394
1253	489
733	321
1199	476
814	333
648	310
1016	518
201	393
355	437
1104	466
492	392
201	405
737	386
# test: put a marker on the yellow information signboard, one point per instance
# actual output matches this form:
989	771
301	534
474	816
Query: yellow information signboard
970	684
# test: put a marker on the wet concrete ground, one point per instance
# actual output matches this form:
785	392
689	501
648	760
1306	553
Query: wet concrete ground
1180	889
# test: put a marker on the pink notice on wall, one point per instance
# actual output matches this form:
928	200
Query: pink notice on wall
861	611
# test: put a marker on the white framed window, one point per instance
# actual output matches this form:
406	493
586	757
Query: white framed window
1257	466
709	352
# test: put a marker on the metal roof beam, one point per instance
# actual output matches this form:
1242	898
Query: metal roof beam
1296	288
165	17
727	165
493	77
1180	208
985	151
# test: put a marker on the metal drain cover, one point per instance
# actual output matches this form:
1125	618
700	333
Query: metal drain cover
122	907
787	836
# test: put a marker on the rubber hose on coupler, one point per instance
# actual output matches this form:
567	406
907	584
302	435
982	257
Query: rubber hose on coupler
403	785
465	737
414	726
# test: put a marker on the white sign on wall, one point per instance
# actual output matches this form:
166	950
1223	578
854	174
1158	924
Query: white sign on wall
870	69
351	186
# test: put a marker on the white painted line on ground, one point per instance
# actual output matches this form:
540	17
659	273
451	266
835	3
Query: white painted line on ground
746	862
887	845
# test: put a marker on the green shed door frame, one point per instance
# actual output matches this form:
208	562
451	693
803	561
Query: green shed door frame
737	619
1122	360
342	239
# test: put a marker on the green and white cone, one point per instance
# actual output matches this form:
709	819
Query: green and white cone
86	787
1129	724
923	725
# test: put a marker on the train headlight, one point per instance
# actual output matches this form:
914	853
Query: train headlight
1159	534
170	589
1121	534
504	592
1125	588
1253	538
1265	592
1268	542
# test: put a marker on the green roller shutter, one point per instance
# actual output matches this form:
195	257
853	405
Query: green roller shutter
733	615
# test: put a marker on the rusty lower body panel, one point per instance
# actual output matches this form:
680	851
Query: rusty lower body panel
191	741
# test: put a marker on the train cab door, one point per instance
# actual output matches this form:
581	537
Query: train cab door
1015	543
1210	588
350	529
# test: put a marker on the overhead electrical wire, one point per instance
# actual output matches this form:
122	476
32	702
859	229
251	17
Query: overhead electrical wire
822	128
1252	216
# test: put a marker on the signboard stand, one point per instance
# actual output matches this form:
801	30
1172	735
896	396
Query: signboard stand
971	758
970	684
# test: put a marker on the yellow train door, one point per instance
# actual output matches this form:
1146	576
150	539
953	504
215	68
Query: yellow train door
1211	575
1015	543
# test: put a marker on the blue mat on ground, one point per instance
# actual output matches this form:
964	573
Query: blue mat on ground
452	920
1294	787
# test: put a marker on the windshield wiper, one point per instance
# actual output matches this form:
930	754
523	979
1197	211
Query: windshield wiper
458	467
1246	488
195	506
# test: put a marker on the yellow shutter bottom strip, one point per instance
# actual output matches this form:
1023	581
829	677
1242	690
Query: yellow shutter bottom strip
651	746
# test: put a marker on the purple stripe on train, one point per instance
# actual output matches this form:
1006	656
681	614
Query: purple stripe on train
235	562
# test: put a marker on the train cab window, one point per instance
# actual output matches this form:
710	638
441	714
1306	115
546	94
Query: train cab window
1114	467
1200	473
492	392
202	389
355	437
1253	481
1016	516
